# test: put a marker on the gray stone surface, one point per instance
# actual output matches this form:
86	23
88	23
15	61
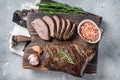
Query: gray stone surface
109	48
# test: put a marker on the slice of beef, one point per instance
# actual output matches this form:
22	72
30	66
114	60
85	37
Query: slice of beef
72	32
51	25
63	29
57	20
41	28
67	30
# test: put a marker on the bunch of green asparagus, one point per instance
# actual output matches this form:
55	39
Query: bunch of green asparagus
58	8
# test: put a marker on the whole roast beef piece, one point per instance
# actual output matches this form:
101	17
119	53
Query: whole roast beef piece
58	24
51	24
76	61
41	28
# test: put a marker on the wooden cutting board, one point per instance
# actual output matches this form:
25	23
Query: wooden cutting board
36	40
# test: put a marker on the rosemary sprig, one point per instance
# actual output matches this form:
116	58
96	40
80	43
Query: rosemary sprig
66	57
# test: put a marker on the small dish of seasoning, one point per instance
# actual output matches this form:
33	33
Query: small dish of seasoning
89	31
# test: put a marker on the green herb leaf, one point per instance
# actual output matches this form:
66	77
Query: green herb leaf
66	57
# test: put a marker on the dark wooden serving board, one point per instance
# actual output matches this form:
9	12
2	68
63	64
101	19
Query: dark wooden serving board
36	40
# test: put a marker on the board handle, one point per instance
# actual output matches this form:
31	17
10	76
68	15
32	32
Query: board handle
19	38
19	15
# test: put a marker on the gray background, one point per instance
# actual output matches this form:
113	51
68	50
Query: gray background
109	48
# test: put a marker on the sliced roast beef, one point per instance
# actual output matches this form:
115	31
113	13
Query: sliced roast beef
67	30
51	25
63	29
41	28
55	27
58	24
72	31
